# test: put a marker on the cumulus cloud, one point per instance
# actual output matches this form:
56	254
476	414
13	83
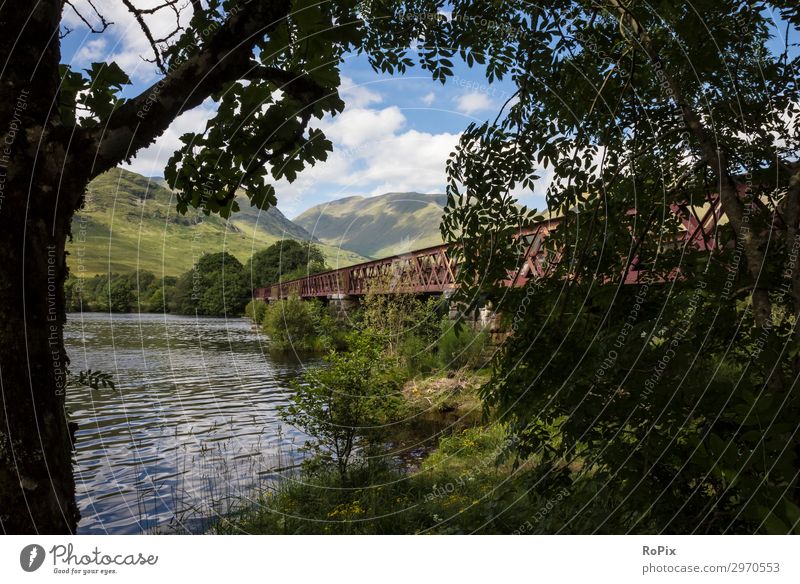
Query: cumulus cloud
357	96
387	157
428	98
356	127
152	160
473	102
91	52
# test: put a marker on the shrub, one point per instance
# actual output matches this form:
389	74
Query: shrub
299	326
464	348
344	405
396	317
255	310
418	355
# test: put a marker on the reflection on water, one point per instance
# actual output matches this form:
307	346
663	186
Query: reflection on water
192	421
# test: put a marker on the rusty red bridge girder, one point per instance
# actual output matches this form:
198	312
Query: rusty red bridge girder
431	270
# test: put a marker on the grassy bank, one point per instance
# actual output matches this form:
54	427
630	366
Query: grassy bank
464	484
402	443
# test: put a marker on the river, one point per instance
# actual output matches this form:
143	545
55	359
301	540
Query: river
191	428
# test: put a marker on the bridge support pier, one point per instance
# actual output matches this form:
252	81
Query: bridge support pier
342	303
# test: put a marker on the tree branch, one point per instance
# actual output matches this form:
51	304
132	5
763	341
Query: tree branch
226	57
138	14
104	24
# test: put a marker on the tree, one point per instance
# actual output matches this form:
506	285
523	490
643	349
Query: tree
675	395
284	259
215	286
119	294
345	404
297	326
271	67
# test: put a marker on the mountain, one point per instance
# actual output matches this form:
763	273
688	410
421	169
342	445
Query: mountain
129	222
377	227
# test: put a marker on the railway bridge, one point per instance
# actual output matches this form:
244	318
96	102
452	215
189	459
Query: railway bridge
432	270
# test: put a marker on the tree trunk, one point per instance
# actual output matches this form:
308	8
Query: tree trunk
37	489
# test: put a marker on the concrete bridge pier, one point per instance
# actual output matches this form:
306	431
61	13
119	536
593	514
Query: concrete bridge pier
485	317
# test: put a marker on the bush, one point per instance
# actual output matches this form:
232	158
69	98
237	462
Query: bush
345	405
255	310
300	326
396	317
418	355
465	348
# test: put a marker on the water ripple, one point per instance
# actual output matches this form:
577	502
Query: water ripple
193	418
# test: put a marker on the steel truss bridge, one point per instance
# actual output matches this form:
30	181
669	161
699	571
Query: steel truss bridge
431	270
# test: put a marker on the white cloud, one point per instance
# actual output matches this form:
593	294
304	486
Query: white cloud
91	52
428	98
357	126
473	102
411	161
128	45
373	154
152	160
357	96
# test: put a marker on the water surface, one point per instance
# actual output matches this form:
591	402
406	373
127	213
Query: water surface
191	427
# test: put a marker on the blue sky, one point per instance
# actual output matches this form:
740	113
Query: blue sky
395	134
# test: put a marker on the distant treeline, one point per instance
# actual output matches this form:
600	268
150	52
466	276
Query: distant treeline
218	284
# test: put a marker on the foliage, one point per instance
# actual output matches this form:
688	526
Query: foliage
676	393
418	355
344	405
136	291
215	286
255	310
298	326
460	489
93	379
284	260
395	317
462	347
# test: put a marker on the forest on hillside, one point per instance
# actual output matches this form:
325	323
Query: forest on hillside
217	285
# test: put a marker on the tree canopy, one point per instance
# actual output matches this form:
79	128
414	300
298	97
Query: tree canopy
286	259
676	398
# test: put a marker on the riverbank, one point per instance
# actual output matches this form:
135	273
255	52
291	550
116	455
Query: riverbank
401	440
463	484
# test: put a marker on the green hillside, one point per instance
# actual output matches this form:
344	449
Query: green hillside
129	222
379	226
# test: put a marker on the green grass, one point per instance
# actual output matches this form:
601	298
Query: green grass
129	222
459	489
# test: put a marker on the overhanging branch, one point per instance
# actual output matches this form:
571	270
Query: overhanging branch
226	57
